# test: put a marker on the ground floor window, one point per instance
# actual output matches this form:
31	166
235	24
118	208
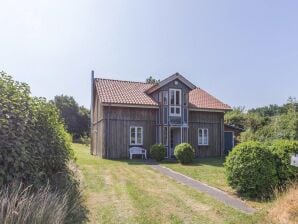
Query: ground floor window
203	137
136	135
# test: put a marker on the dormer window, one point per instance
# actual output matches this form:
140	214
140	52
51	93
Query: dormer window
175	102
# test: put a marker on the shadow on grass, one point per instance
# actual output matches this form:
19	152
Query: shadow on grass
213	161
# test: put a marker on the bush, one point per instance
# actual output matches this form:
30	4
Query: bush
282	150
251	170
158	152
185	153
34	146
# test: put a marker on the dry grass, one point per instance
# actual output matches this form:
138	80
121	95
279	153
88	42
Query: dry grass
285	208
23	206
130	192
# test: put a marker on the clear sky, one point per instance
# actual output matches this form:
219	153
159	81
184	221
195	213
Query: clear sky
243	52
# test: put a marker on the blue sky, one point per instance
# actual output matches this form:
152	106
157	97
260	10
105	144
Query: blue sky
243	52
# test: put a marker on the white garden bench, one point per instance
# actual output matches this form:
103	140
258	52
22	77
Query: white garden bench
137	151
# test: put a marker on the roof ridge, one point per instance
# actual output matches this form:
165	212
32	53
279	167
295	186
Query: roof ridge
118	80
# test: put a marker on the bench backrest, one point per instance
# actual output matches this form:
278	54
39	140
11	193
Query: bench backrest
137	150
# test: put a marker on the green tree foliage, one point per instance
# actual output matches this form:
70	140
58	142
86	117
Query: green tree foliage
76	118
152	80
266	123
34	146
236	117
251	170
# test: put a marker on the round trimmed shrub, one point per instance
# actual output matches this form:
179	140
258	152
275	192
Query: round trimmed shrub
251	170
282	150
185	153
158	152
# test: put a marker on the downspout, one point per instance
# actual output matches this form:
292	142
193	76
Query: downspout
91	112
222	137
108	132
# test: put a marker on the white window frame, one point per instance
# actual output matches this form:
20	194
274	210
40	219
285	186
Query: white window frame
136	137
174	105
165	95
203	136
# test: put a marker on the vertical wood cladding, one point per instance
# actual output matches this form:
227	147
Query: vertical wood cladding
116	131
214	122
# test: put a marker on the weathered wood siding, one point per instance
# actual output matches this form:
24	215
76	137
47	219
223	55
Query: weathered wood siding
214	122
97	140
116	130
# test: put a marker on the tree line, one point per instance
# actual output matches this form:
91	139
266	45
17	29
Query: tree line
266	123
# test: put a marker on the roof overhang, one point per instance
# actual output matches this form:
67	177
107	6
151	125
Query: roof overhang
208	110
130	105
170	79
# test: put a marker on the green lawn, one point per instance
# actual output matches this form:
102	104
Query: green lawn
130	192
207	170
210	171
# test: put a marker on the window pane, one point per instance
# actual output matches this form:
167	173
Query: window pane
172	110
177	97
139	136
165	98
160	97
177	110
172	97
132	136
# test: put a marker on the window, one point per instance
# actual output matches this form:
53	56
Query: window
136	135
203	138
175	102
165	98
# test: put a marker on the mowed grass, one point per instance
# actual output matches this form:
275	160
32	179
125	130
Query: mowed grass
131	192
211	171
208	170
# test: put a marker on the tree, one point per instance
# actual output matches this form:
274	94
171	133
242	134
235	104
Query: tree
236	117
75	117
152	80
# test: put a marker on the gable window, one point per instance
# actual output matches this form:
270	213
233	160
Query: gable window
175	102
165	98
136	135
203	137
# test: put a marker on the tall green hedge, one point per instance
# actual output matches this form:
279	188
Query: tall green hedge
282	150
34	146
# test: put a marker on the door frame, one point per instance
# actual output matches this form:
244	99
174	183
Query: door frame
171	149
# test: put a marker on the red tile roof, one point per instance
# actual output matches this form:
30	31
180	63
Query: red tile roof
200	99
123	92
133	93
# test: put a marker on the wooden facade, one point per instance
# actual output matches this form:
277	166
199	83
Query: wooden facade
113	131
111	124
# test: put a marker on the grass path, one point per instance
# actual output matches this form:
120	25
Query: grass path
130	192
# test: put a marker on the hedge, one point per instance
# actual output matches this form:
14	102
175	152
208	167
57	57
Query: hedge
251	170
158	152
185	153
34	146
282	150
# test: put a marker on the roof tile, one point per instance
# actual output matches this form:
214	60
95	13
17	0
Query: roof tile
127	92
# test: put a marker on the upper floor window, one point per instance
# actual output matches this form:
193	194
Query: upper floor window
136	135
203	137
175	102
165	98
